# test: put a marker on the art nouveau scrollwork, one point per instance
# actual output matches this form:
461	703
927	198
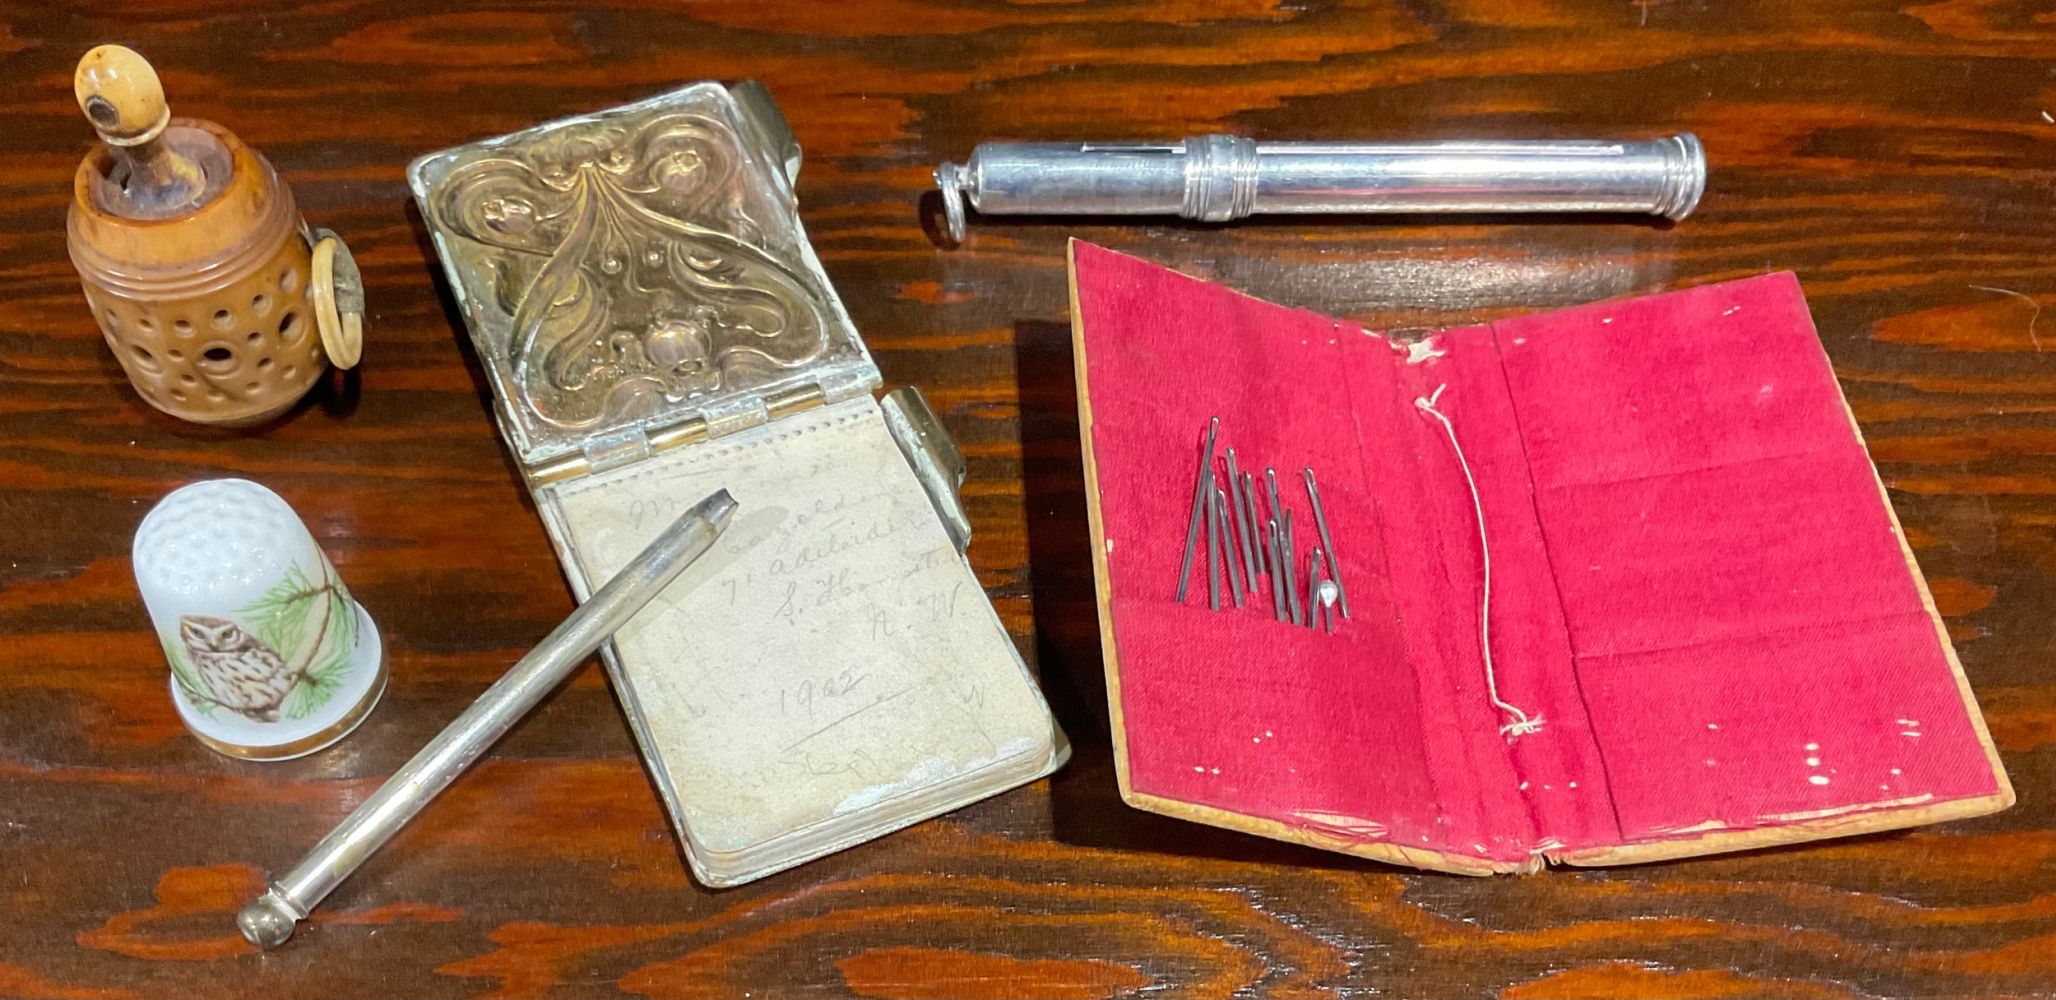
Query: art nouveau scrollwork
631	259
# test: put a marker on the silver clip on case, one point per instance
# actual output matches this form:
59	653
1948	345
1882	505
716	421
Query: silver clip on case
656	326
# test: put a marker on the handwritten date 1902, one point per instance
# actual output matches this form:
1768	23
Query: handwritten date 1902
809	695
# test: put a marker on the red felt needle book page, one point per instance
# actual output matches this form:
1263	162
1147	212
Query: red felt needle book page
1704	628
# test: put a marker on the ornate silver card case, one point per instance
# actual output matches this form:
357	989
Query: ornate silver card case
639	276
652	319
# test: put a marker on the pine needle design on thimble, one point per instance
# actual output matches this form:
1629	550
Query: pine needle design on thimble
241	670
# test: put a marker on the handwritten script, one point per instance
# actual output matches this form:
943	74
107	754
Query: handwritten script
833	649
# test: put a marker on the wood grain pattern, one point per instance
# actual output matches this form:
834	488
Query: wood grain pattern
1898	156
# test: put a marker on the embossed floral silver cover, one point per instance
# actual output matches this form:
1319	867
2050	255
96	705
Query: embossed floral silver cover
637	269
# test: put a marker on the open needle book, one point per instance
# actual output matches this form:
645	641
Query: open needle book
1705	629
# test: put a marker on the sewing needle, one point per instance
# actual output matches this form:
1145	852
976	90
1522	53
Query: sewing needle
1278	575
1213	547
1287	557
1227	550
1277	587
1271	485
1313	493
1199	490
1313	586
1262	549
1241	525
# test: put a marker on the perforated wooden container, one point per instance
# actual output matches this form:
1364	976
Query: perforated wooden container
199	270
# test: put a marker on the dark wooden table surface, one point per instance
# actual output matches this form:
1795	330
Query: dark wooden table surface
1900	159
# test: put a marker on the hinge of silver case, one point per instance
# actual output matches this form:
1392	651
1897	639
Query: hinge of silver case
633	444
612	451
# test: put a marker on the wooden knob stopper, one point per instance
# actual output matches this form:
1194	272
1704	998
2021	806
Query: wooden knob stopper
121	95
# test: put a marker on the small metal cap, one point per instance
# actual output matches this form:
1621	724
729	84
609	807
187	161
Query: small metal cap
268	921
1685	177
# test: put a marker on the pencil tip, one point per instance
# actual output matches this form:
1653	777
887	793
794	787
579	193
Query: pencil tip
717	509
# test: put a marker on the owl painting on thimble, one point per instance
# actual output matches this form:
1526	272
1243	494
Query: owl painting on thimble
270	656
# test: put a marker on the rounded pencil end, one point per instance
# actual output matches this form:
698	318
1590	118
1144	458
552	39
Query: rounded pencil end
267	922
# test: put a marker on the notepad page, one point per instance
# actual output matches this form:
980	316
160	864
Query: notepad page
833	655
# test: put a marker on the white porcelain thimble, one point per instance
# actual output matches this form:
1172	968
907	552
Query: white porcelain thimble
271	658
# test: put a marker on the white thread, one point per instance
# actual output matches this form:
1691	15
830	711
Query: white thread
1522	723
